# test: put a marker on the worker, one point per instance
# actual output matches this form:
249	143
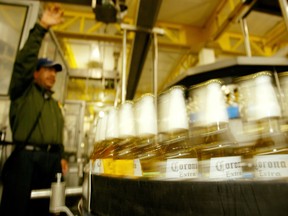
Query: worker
37	125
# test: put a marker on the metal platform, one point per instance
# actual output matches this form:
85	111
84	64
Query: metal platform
233	67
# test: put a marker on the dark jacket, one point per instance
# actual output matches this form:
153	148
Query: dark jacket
29	101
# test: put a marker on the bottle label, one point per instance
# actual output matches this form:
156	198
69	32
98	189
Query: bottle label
108	165
98	166
124	167
137	168
226	167
182	168
271	166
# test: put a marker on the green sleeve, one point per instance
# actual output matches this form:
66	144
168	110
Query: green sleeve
25	63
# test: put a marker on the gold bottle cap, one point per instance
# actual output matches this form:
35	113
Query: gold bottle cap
143	96
252	76
181	87
262	73
128	102
206	83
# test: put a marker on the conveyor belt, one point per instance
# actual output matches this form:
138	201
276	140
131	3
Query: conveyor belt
119	196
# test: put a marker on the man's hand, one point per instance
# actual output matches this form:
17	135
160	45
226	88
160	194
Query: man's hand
52	15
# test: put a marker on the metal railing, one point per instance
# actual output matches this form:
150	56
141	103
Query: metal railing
46	193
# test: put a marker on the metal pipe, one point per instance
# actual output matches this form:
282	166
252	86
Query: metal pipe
244	28
57	198
155	69
155	65
89	186
46	193
118	89
124	60
155	32
284	8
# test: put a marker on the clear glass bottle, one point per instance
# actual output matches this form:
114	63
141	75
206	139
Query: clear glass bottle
149	157
247	132
271	148
179	151
215	143
111	139
124	149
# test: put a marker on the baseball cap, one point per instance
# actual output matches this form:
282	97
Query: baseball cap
45	62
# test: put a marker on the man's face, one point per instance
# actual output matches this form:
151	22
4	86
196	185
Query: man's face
45	77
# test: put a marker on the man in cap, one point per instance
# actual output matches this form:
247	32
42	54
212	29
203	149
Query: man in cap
37	125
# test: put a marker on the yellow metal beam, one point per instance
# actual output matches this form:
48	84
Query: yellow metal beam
70	57
93	37
228	11
181	36
234	43
274	36
95	27
84	26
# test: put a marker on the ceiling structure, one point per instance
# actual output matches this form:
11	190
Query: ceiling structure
193	30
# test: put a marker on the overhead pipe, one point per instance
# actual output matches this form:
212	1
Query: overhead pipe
155	69
152	32
46	193
284	8
124	60
146	18
245	31
123	81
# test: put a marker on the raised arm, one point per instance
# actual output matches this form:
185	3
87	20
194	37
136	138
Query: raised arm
26	59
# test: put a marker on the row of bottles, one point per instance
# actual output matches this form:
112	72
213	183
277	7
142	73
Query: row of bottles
192	138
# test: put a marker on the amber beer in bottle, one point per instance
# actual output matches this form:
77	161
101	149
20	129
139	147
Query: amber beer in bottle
149	161
111	140
123	152
99	146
